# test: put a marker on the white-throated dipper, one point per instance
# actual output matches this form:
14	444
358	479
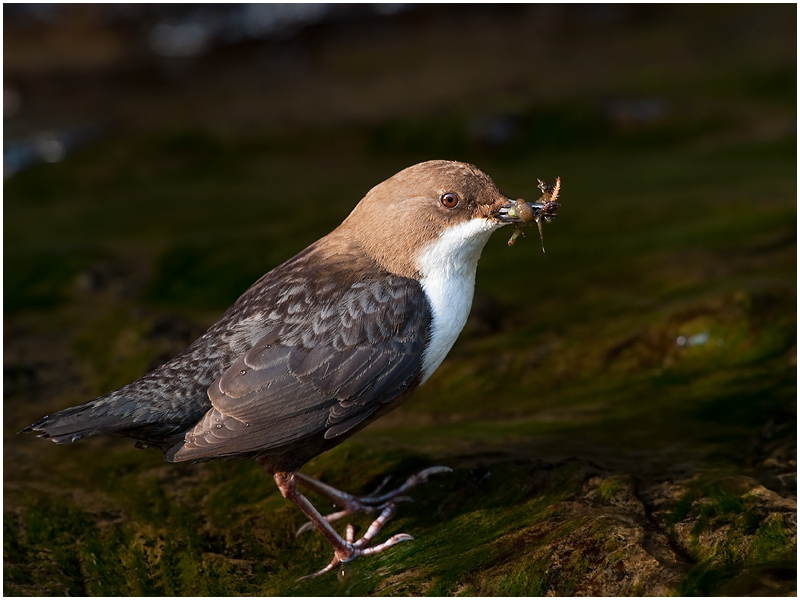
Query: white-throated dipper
320	346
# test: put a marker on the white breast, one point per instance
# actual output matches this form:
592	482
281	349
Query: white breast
448	267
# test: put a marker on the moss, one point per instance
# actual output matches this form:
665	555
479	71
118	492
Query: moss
43	536
680	226
607	489
729	533
526	579
772	542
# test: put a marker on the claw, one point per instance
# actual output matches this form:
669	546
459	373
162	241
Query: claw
309	526
395	539
348	548
332	564
369	503
382	485
354	549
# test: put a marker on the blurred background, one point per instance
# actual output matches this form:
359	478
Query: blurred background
620	413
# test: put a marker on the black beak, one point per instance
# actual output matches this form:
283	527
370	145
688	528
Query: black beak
520	211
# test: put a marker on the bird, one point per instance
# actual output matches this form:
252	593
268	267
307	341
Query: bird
319	347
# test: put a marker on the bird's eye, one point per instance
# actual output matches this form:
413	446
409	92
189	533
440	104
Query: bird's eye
449	200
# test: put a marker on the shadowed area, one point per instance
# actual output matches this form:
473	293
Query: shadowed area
619	414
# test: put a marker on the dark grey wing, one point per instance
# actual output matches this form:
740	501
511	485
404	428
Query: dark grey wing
321	378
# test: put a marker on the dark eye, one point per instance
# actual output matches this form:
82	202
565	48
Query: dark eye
449	200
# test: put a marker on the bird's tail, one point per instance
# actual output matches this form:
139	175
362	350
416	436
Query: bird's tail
102	415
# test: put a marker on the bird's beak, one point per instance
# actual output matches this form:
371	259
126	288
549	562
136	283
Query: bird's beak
520	211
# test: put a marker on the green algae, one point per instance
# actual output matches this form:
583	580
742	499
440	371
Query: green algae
735	542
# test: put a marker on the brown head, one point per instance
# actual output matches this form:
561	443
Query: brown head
405	214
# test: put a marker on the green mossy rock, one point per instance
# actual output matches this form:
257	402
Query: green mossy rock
620	414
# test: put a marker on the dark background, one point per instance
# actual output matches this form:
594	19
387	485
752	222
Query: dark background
620	413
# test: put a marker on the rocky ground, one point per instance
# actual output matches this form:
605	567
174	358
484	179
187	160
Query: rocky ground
619	414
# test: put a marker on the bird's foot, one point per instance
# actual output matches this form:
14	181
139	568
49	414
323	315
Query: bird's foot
347	548
353	548
370	503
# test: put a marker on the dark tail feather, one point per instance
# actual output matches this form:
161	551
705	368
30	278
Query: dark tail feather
72	424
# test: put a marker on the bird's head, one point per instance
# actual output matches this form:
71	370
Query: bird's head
433	212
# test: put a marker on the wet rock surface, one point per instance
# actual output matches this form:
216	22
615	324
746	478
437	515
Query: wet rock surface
620	415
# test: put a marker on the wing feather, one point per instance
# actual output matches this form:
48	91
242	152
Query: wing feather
364	350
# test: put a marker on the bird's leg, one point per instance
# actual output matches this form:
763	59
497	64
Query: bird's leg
370	503
343	550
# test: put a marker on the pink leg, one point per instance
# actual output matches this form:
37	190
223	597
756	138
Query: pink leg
343	550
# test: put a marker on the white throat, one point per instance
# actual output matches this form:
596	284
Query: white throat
448	267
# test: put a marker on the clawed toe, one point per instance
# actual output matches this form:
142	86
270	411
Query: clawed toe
370	503
356	549
348	548
308	525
